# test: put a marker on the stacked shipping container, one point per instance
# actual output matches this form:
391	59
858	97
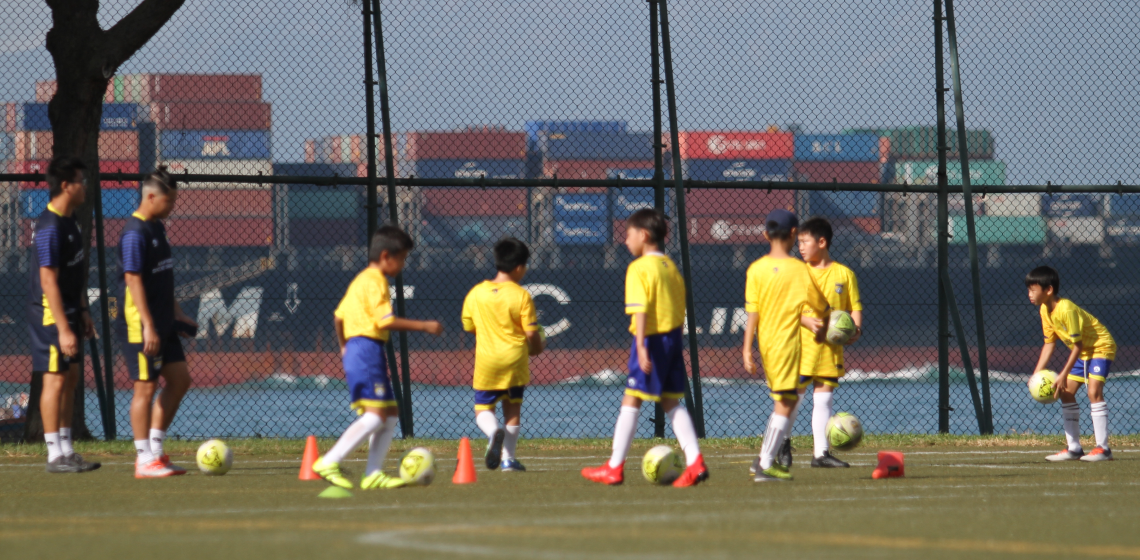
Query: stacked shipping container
842	158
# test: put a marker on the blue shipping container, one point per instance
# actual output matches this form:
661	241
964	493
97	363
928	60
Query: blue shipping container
470	230
847	204
612	146
581	232
116	116
470	168
216	144
837	147
738	170
572	207
117	203
7	146
1072	205
533	128
1124	205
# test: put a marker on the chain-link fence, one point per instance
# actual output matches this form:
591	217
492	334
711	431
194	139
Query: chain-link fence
552	123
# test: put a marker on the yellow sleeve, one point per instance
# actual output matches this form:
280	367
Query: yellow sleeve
1072	321
752	291
339	313
468	312
816	301
527	313
853	287
1047	326
636	298
380	304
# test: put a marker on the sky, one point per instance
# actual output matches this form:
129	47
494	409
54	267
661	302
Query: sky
1056	82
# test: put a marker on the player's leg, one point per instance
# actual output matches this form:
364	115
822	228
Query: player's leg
823	396
1097	375
512	418
378	444
66	411
176	382
370	392
147	464
1070	418
778	428
50	405
639	386
485	403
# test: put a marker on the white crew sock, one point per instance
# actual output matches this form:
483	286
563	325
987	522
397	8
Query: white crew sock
511	441
65	442
1100	423
624	430
53	450
142	449
353	436
487	422
378	444
792	416
820	414
1071	416
685	432
156	439
778	428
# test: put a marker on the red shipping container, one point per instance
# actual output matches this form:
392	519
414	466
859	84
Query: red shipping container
229	203
873	226
112	230
118	145
478	144
726	231
220	232
325	233
11	122
203	87
40	166
737	202
884	149
196	115
45	90
475	202
590	169
736	145
841	171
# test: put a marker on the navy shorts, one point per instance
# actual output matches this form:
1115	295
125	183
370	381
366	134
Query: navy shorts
366	371
1096	368
46	355
146	368
486	400
668	379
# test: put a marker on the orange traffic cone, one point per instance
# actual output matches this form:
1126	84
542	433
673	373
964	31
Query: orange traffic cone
465	469
308	458
890	465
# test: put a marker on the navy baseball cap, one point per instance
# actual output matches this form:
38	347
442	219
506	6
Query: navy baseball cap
781	221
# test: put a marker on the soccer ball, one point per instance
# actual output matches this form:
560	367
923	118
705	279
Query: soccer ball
417	468
662	465
1041	386
215	458
844	431
840	328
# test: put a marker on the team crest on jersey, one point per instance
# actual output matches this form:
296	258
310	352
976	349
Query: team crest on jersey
379	389
154	242
632	382
839	288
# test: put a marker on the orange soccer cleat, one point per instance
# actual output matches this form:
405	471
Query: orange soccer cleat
605	474
694	474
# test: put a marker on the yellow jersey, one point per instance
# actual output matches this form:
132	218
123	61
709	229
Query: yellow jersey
1073	325
500	314
778	290
840	288
654	287
367	306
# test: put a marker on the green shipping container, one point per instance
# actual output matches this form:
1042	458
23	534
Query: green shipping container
925	172
1000	230
325	205
921	142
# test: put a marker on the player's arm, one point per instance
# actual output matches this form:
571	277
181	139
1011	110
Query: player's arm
181	316
138	296
813	324
1063	375
408	325
1046	354
749	334
535	342
642	349
535	337
856	307
338	323
857	317
49	281
468	315
385	317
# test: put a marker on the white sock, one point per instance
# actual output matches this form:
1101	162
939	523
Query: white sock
156	437
1100	423
53	450
820	414
487	422
685	432
1071	416
624	430
65	442
352	437
778	428
142	449
511	442
378	444
793	415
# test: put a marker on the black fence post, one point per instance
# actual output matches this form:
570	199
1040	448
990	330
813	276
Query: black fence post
943	232
658	163
109	424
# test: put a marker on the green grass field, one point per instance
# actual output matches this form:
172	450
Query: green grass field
962	497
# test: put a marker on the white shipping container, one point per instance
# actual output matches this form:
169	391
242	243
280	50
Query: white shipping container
1078	231
221	167
1013	204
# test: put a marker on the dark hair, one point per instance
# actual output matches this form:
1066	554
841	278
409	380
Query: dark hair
817	227
510	253
391	239
776	232
62	170
161	180
1044	276
653	222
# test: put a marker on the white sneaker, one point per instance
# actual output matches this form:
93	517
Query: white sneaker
1066	455
153	469
1098	454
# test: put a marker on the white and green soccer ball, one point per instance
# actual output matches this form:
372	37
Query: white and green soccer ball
417	468
662	465
844	431
840	327
1041	386
215	458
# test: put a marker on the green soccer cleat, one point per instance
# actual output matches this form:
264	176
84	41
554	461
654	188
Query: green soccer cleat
381	481
331	473
775	473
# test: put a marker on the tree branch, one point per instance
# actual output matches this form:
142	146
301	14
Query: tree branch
129	35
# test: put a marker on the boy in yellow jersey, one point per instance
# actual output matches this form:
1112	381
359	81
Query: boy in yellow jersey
1093	350
822	362
655	300
502	316
778	289
363	320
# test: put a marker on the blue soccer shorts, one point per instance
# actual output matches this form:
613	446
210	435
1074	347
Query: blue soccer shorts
46	355
366	371
486	400
1096	368
141	367
667	380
